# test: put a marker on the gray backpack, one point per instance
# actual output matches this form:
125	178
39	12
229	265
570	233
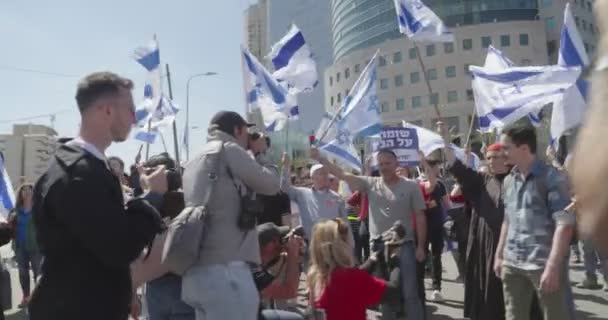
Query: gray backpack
186	233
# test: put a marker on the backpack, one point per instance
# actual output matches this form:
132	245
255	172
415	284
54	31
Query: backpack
186	232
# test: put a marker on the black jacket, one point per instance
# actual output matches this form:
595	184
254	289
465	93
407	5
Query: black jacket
88	239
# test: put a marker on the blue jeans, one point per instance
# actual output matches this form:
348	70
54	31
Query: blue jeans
414	308
591	259
25	261
221	292
272	314
163	298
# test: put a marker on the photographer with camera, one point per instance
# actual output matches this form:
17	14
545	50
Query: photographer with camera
278	277
220	284
163	288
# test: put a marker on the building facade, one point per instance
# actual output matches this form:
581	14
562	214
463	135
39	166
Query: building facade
255	33
27	152
515	27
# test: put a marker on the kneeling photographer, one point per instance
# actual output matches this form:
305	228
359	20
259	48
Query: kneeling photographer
278	277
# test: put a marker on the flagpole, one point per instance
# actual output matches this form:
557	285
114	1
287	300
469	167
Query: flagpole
147	142
175	140
162	139
333	120
471	125
426	79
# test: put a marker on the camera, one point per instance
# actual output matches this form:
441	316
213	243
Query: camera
251	208
174	179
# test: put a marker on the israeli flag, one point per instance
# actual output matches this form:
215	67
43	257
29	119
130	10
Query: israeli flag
419	23
497	61
429	141
358	116
7	195
569	109
263	92
293	62
503	97
156	109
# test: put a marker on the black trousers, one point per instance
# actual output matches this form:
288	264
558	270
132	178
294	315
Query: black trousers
435	241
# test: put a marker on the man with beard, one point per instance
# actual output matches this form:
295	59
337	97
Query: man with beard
483	290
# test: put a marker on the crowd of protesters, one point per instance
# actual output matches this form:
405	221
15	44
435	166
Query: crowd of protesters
94	235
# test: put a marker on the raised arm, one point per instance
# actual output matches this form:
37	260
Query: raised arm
354	182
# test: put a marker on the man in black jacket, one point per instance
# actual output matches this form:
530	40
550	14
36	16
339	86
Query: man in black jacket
87	235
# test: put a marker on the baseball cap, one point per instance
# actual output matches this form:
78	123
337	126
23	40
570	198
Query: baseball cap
315	167
227	120
268	232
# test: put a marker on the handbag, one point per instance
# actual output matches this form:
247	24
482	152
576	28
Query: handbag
185	233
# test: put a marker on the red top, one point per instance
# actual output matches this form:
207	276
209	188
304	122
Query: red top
457	199
349	293
360	200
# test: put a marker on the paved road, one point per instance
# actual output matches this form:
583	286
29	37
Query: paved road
591	304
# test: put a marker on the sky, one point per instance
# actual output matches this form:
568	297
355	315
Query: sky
73	38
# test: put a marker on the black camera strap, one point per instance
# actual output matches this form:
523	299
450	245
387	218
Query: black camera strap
238	190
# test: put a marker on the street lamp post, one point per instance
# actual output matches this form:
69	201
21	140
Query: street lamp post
187	133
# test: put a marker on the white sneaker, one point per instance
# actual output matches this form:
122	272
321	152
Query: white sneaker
436	296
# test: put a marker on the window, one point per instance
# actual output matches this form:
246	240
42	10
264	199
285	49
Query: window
431	74
331	101
399	80
550	23
551	47
589	6
452	96
470	94
346	73
338	77
339	99
430	50
486	41
416	102
526	62
382	62
400	104
450	72
384	107
524	39
383	83
466	68
577	21
467	44
584	23
412	53
397	57
357	68
505	40
414	77
448	47
416	123
346	92
591	28
434	99
547	3
586	47
331	81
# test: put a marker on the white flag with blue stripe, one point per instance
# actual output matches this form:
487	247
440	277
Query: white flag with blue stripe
419	23
156	108
502	97
497	61
293	62
7	195
358	117
569	109
429	141
263	92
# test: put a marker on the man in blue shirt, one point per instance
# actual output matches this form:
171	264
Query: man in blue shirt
532	251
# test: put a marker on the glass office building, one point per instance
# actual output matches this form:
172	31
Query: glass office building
360	24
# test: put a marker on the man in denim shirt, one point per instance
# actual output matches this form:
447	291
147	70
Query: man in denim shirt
536	232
